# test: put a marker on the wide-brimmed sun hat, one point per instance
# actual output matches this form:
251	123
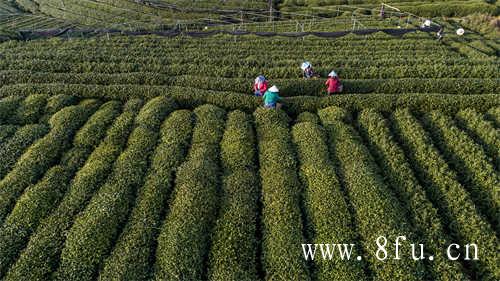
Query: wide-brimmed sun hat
260	78
274	89
305	65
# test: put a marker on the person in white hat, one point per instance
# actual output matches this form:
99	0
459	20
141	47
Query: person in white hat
333	84
307	69
440	33
271	98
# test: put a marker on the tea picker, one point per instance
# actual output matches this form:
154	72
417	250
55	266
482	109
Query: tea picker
382	12
271	98
307	70
333	83
260	85
440	34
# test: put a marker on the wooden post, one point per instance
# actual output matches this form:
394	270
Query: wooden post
270	10
241	20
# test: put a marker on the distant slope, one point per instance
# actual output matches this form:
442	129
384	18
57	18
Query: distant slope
293	15
7	6
140	13
426	8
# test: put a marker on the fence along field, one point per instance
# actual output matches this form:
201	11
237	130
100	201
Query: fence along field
125	196
124	14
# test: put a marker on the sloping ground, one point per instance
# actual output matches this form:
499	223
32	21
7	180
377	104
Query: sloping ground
13	19
149	189
99	13
486	25
7	7
26	21
157	14
420	8
242	4
127	13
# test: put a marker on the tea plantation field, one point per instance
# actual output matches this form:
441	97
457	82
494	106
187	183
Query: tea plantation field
220	69
149	158
97	188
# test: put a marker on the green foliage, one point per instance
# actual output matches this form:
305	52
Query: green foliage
360	81
483	131
234	248
377	211
8	106
184	239
127	14
30	110
56	103
92	233
85	225
138	66
470	51
28	5
190	98
237	146
325	203
41	255
331	114
233	254
470	162
6	132
213	69
482	23
494	115
481	46
448	194
38	200
134	249
307	117
451	9
387	103
281	195
12	149
42	154
100	14
93	131
447	8
397	170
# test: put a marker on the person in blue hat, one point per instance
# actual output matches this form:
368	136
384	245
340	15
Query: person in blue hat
260	86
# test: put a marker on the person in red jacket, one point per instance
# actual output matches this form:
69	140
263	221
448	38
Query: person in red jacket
333	83
260	86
